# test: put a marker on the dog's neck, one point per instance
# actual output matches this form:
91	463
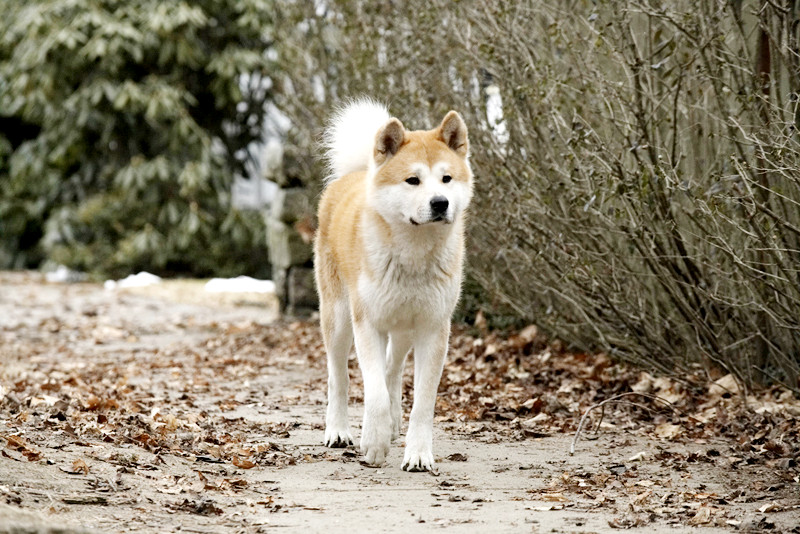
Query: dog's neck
412	246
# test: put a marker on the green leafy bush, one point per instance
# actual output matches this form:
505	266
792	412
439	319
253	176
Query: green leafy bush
123	125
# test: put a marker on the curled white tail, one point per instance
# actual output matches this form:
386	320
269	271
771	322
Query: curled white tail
350	137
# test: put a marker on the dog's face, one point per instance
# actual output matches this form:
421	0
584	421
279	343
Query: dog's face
421	178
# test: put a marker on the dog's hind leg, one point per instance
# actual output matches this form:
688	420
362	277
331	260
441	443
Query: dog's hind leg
430	349
337	333
396	352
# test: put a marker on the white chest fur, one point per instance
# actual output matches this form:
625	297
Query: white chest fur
412	280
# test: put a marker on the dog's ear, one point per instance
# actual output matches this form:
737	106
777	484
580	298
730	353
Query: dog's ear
453	132
389	140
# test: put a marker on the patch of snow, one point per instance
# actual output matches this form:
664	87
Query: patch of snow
494	114
141	279
318	88
64	275
240	284
253	194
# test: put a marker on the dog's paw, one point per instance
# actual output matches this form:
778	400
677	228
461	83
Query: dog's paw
376	436
418	459
419	449
375	447
375	455
338	437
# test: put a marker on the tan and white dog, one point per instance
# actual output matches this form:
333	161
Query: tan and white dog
388	259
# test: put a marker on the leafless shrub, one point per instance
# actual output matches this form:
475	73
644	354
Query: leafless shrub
644	197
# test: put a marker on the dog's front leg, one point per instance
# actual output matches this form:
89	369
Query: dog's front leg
376	431
430	349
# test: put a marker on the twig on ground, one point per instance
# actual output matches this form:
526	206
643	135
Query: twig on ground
616	398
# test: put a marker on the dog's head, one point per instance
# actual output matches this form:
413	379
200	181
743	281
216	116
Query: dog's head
422	177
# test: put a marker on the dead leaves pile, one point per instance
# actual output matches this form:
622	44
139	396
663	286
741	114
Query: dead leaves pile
534	388
640	498
536	385
170	399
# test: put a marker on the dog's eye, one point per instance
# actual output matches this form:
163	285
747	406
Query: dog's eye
412	181
446	178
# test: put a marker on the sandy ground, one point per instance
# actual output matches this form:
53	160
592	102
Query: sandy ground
229	439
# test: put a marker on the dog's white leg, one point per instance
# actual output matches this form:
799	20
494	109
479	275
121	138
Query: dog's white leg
376	431
396	352
430	349
337	332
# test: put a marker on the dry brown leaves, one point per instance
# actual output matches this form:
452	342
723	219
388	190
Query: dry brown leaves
20	445
172	400
155	399
158	400
642	499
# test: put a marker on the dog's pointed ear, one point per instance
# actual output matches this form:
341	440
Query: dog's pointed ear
453	133
388	140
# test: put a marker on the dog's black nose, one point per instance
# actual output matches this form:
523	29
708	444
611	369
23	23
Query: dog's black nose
439	205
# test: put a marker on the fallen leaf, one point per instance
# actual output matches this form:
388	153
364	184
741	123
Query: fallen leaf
202	507
702	517
79	467
47	400
170	490
642	497
644	384
526	336
237	483
540	418
244	464
725	385
667	431
17	443
771	507
555	497
625	522
533	405
617	469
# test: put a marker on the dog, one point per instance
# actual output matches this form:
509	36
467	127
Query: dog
388	260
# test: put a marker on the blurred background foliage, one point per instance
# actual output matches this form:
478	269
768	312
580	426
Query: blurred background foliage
122	125
637	162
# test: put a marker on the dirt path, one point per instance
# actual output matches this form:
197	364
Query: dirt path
125	412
